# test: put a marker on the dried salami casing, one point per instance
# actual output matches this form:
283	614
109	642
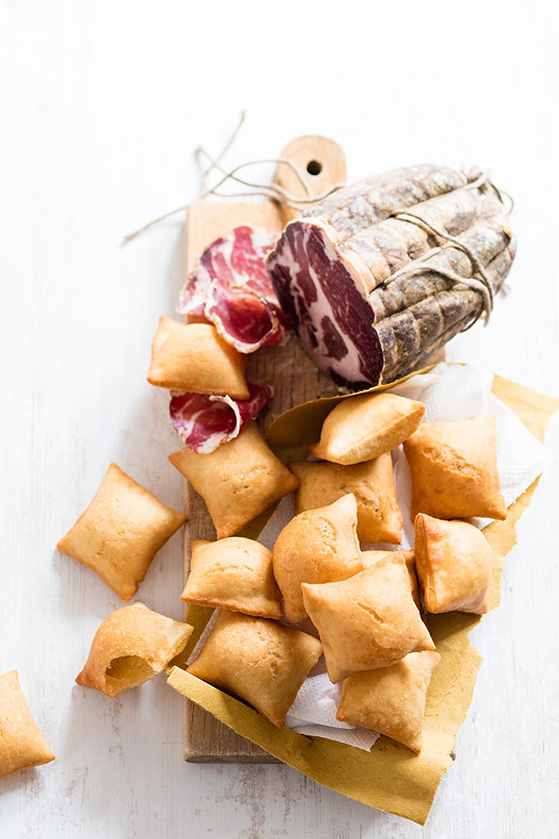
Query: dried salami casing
382	273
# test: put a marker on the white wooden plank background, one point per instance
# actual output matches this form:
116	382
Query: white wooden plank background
101	106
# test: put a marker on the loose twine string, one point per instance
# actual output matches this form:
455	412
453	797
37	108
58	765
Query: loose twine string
272	191
479	281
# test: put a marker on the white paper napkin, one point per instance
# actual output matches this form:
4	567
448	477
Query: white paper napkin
455	392
314	712
450	392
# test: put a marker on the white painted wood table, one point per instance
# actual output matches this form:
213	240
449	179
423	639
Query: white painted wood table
101	106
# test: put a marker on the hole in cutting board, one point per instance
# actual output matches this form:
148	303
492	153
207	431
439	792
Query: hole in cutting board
314	167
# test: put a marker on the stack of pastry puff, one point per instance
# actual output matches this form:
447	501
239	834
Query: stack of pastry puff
320	591
364	610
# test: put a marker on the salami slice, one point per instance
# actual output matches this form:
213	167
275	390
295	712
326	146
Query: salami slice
231	288
382	273
205	422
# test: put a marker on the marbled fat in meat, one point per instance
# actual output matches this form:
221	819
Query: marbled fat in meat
206	422
371	295
230	287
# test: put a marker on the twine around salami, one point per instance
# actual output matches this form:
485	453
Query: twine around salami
478	281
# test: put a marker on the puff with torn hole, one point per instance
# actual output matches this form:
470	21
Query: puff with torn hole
131	646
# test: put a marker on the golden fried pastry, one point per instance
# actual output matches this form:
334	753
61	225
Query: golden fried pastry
391	700
378	516
370	557
21	743
238	481
120	532
131	646
367	621
454	469
233	573
317	546
195	357
454	565
261	661
363	427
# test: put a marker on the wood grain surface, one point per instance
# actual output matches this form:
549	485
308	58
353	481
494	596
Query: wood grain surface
287	368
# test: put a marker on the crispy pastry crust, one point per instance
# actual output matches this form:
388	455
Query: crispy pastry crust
454	564
261	661
363	427
233	573
370	557
454	469
367	621
317	546
391	700
21	743
238	481
131	646
121	531
194	357
378	516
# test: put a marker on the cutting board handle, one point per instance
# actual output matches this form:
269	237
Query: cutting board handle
321	161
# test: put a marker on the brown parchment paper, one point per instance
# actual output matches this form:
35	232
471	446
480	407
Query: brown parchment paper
389	777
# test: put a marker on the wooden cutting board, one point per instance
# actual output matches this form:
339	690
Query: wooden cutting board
294	377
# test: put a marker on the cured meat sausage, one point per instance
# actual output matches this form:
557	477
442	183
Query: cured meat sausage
230	287
382	273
